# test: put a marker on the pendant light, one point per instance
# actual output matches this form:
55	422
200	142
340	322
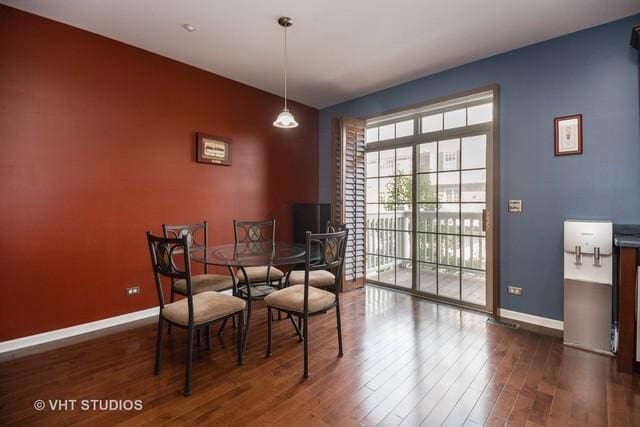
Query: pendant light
285	118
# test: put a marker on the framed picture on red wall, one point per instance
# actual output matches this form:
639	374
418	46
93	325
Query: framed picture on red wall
213	150
568	135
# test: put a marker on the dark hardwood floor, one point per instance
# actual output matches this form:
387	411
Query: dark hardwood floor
407	362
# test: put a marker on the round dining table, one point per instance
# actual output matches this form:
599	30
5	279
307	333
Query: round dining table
238	256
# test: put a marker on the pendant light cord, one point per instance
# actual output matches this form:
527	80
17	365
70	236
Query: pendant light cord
285	67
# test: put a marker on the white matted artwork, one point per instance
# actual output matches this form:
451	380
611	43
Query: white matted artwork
213	150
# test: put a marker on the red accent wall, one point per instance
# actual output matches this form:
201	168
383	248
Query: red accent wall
97	146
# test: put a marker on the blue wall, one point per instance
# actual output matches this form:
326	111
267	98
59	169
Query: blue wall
593	72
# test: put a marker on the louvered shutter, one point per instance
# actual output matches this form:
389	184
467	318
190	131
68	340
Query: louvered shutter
349	191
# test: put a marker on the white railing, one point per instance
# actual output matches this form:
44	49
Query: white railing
389	237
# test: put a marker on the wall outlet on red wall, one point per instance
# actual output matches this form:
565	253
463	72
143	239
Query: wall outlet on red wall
134	290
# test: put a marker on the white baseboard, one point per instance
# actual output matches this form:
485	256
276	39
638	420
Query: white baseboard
59	334
530	318
71	331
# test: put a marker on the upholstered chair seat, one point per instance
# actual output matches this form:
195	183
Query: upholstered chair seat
207	306
259	274
317	278
204	283
292	299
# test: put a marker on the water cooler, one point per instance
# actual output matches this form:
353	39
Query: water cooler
588	276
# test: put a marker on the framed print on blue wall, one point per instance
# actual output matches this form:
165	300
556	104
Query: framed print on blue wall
568	135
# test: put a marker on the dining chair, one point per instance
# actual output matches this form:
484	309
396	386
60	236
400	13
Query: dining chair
317	278
198	238
304	300
249	236
257	232
194	312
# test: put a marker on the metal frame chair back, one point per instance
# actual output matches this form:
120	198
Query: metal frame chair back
325	251
163	251
333	228
197	236
254	231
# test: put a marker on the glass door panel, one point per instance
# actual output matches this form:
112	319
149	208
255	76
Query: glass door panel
474	287
389	216
427	281
445	192
451	201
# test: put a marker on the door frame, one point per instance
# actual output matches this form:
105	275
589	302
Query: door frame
492	221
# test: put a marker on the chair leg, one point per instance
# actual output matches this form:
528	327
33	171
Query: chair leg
269	321
305	334
170	300
208	329
297	328
246	328
300	328
239	337
187	374
279	315
156	369
339	329
224	323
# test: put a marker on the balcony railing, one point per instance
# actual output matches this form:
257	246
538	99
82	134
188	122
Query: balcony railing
389	240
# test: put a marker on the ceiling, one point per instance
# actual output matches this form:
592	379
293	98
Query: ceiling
338	49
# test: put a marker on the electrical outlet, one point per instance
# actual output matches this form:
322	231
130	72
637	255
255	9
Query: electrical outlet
514	290
134	290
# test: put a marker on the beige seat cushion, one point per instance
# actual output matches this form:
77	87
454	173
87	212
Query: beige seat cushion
207	306
204	283
292	298
319	278
259	274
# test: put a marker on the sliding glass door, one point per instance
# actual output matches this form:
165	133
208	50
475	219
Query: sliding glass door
427	202
390	216
451	244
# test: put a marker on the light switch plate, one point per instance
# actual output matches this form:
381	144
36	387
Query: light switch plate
514	290
515	206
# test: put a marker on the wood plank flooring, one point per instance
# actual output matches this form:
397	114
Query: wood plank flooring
407	362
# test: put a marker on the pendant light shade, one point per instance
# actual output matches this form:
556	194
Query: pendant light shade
285	118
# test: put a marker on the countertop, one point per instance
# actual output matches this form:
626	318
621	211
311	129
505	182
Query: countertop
626	235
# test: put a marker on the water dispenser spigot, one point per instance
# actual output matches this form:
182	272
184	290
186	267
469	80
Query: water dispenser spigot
578	254
596	257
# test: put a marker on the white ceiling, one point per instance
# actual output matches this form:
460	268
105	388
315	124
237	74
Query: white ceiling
338	49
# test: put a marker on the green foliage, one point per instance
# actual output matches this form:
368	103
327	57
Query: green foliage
400	190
